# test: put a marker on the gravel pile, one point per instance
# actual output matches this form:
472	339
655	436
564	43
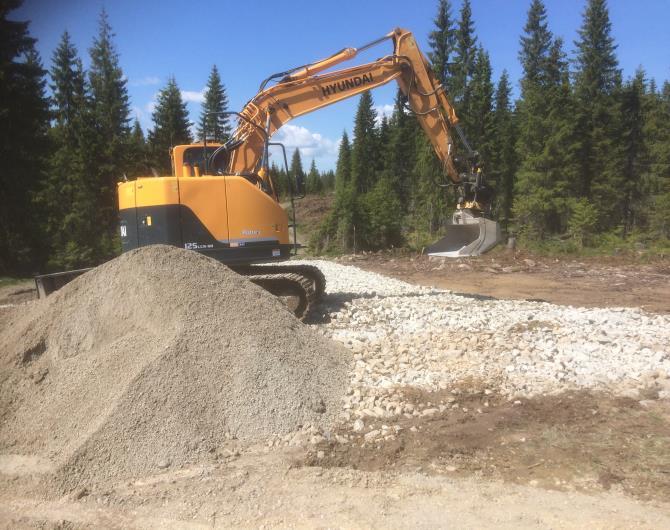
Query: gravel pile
405	335
156	359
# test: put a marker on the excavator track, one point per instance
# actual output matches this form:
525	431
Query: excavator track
299	286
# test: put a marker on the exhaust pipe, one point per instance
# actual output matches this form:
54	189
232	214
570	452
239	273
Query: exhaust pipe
467	236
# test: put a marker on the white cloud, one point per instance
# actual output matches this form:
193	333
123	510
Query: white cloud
383	110
193	96
146	81
311	144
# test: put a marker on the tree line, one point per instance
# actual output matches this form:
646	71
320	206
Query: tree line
581	157
68	138
65	152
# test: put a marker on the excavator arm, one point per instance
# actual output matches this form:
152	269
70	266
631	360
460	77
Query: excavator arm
306	90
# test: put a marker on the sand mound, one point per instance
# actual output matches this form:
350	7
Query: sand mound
157	357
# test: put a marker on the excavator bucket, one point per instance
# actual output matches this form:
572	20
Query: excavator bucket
467	236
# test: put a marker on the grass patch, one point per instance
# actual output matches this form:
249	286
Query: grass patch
6	281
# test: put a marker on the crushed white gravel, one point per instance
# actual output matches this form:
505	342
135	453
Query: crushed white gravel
407	335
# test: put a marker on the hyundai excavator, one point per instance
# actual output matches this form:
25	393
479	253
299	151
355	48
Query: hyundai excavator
221	200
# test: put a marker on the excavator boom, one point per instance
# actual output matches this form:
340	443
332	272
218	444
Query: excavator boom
309	88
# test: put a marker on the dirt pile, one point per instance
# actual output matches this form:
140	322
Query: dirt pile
155	359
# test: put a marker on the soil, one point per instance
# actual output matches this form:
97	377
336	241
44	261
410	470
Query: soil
572	441
17	293
601	282
571	460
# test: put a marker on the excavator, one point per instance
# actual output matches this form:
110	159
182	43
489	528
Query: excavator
221	200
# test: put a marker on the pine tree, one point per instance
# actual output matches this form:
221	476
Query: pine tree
216	102
171	125
364	154
441	42
108	152
503	154
596	81
24	119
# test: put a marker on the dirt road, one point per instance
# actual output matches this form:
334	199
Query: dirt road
273	490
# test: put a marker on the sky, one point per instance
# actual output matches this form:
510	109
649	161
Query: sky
249	40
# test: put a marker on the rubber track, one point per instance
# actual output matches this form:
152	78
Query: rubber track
306	278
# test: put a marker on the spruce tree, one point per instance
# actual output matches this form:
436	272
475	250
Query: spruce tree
535	44
544	183
596	80
364	152
216	101
296	170
546	178
343	167
533	55
328	179
430	203
24	116
69	194
503	163
441	42
171	125
657	136
336	231
400	154
635	159
108	152
464	67
314	184
67	84
138	151
481	106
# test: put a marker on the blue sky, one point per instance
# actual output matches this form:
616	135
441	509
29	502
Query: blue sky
252	39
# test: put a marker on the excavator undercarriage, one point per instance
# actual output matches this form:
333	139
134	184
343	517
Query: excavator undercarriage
299	287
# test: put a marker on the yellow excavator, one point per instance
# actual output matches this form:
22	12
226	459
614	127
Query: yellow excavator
220	199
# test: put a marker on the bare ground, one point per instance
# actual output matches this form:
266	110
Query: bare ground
586	282
567	461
